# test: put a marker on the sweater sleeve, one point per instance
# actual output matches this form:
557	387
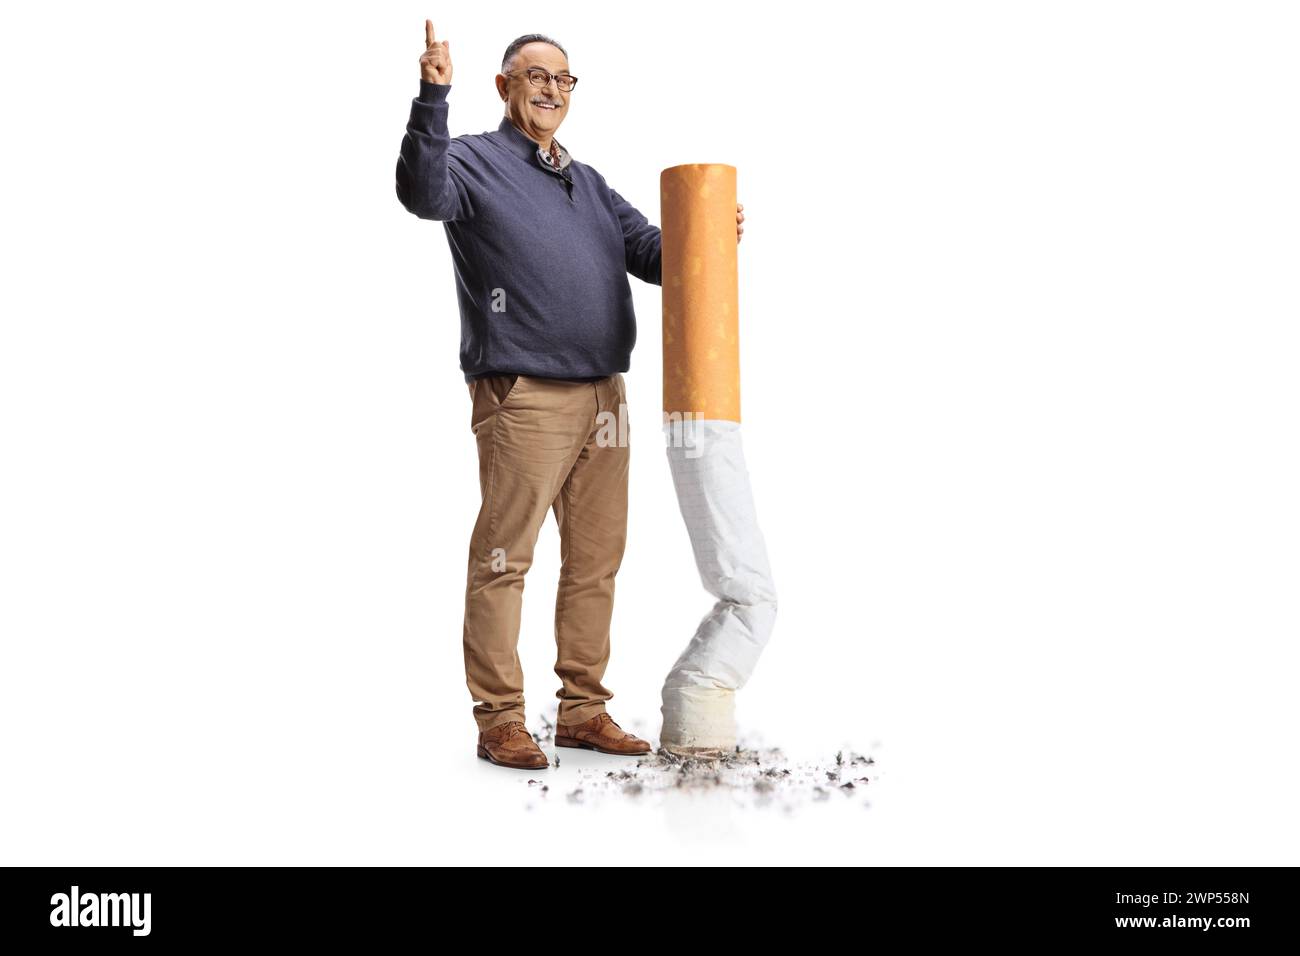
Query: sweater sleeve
428	181
640	241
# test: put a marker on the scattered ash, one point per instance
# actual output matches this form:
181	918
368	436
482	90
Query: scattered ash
752	775
758	777
547	734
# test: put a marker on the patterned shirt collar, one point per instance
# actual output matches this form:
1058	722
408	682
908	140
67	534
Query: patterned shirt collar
528	148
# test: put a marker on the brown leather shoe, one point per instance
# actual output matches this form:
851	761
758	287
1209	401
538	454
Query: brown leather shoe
511	745
602	735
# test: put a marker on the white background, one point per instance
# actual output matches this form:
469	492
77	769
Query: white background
1019	302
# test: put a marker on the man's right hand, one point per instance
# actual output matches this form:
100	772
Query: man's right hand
435	64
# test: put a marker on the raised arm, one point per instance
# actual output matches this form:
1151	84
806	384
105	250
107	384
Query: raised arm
640	241
427	184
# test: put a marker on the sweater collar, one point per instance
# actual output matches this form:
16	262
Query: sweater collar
527	147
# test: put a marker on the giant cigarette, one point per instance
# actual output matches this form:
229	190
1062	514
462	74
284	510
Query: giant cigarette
702	429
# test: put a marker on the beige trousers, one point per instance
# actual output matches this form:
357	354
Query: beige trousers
545	444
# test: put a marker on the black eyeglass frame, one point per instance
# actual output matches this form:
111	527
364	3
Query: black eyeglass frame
549	76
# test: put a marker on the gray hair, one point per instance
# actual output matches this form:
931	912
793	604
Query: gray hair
523	41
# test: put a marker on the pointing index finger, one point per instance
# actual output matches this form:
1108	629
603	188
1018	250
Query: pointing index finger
428	33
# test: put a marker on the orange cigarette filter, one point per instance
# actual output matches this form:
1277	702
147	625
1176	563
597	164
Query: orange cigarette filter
700	291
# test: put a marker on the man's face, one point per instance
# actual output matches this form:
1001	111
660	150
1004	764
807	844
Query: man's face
537	110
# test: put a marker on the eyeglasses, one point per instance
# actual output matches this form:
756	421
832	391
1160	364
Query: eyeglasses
539	77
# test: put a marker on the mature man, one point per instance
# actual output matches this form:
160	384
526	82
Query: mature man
541	247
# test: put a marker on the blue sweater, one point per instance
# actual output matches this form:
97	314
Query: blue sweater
541	255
